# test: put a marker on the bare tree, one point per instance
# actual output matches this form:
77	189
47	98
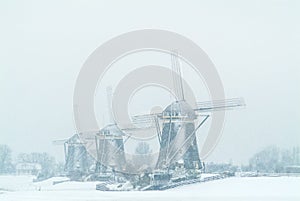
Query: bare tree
143	148
5	160
44	159
142	152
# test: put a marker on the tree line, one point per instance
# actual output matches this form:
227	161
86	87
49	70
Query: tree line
271	159
49	166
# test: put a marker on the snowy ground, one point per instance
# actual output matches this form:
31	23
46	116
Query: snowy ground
21	188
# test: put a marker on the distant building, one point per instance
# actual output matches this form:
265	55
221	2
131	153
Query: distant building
28	168
292	169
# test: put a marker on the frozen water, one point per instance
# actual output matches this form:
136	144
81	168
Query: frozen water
20	188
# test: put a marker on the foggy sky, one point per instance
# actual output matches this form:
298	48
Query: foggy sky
254	45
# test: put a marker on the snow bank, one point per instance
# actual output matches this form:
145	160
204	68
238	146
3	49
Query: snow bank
236	188
16	183
246	187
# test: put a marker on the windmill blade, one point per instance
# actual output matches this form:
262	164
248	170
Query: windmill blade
145	120
177	77
141	122
159	133
109	103
216	105
59	142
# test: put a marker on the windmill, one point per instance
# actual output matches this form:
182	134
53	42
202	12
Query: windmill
110	144
77	159
177	137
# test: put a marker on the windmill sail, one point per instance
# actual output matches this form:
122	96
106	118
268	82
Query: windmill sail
109	102
109	141
216	105
177	77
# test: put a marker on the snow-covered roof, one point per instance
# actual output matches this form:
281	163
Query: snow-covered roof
180	108
28	166
113	130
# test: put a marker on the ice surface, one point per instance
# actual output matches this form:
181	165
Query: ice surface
21	188
15	183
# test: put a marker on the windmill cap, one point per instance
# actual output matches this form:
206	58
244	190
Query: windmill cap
112	129
180	109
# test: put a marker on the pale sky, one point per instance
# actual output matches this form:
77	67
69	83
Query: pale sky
254	45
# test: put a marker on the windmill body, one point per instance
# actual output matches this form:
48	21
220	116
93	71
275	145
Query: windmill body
110	144
178	119
110	148
77	159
